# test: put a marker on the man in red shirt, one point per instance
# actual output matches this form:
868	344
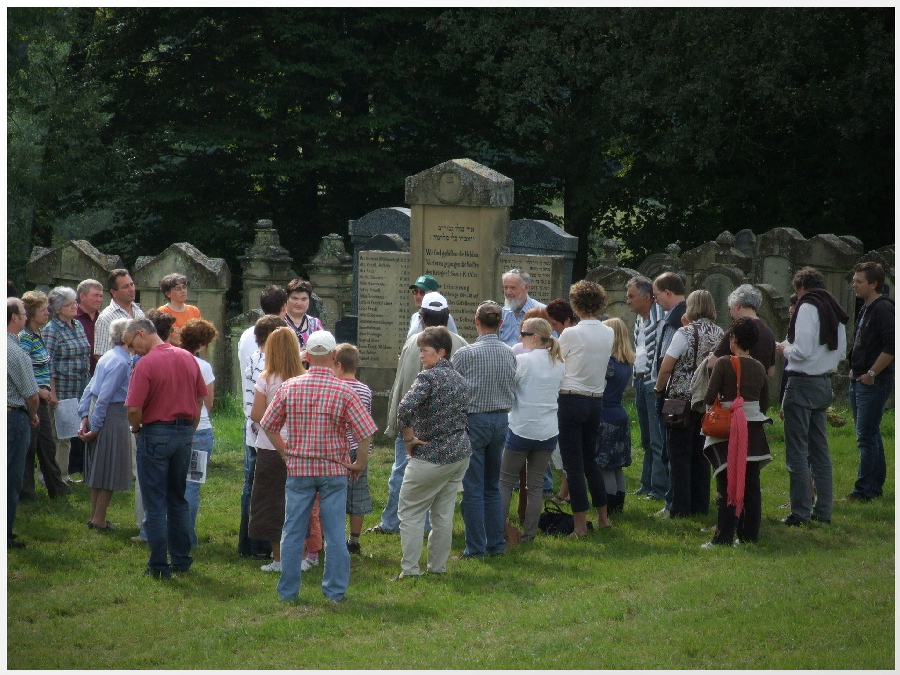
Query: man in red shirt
313	413
164	398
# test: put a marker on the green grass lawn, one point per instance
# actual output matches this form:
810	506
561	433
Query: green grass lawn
641	594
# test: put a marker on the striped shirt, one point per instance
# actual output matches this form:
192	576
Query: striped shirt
312	412
645	339
20	382
102	343
489	368
365	395
70	354
34	346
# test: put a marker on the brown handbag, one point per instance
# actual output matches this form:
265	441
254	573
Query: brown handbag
676	412
717	422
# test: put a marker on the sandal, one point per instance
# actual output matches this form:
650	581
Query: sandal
556	499
109	526
378	529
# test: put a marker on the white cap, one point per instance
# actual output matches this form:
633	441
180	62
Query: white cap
434	301
320	343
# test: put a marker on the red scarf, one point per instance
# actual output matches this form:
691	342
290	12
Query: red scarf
737	454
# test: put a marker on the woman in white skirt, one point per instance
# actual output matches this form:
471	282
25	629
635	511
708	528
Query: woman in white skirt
104	428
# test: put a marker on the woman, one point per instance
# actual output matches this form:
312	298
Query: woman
691	344
104	427
70	360
432	418
533	425
586	348
282	362
614	446
561	315
745	300
174	288
196	336
533	313
737	462
297	318
42	436
164	323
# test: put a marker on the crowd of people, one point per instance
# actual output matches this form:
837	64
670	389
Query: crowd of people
542	385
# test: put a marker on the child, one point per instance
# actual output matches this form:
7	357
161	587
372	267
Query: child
359	502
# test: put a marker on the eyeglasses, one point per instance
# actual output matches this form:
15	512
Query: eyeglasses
524	334
180	287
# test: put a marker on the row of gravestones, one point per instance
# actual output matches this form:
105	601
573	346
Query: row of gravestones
458	229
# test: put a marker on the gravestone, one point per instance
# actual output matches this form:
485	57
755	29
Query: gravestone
208	279
457	230
540	237
265	262
69	264
331	272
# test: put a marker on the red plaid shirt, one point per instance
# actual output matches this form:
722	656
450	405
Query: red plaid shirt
313	412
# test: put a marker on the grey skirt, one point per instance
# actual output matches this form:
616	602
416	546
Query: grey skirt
107	460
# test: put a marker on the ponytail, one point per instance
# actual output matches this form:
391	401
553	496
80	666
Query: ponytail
555	351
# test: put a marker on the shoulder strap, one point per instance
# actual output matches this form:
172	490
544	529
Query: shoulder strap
696	326
736	365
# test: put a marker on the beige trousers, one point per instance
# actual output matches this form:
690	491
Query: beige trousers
425	487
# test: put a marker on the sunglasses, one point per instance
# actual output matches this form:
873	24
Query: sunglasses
524	334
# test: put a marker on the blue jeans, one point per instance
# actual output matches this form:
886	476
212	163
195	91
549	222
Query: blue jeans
246	545
163	456
203	440
18	438
868	403
481	506
300	494
654	474
390	520
806	445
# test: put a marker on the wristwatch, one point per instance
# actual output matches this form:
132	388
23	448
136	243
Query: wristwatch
871	374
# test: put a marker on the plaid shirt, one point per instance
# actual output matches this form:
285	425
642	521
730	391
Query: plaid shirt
313	413
20	382
489	367
102	343
70	353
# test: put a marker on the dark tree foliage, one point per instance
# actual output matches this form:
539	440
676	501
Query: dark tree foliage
649	125
692	121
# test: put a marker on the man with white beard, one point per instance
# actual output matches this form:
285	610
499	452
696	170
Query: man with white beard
516	284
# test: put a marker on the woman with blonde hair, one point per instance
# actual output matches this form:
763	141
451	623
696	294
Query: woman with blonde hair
533	425
614	442
690	346
282	352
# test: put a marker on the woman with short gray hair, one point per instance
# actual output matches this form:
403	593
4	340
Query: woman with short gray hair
745	300
104	427
70	354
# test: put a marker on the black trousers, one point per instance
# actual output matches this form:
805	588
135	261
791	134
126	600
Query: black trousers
689	470
747	524
43	445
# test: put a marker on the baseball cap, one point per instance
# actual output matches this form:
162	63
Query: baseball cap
426	283
320	343
434	301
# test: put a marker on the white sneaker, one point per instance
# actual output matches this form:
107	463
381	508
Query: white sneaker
308	564
274	566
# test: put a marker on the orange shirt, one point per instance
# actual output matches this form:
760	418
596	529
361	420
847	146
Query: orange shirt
181	318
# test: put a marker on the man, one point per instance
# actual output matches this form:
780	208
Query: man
121	288
314	412
163	402
90	300
489	367
424	284
434	311
871	377
272	300
639	298
516	284
668	289
815	344
21	412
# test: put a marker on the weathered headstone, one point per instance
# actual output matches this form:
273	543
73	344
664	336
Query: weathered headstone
388	221
383	306
266	262
331	272
69	264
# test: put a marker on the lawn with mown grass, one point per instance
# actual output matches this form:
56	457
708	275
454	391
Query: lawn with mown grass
642	594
